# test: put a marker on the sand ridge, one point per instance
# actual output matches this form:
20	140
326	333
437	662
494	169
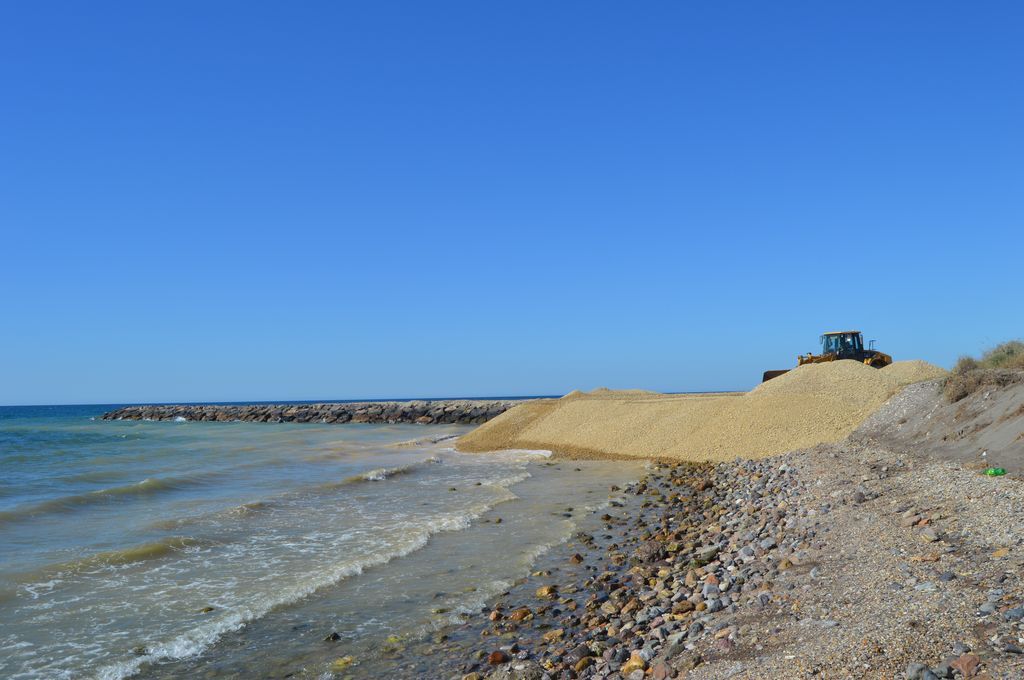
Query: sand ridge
813	404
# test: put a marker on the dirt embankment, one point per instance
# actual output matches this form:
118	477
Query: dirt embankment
982	430
814	404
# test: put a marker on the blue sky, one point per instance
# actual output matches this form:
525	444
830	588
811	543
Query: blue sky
254	200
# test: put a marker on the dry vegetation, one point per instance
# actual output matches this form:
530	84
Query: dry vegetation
1000	366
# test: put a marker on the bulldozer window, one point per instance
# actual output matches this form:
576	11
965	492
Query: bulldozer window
842	344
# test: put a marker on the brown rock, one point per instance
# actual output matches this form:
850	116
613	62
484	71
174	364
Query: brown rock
554	635
661	671
967	664
547	591
582	664
498	657
521	614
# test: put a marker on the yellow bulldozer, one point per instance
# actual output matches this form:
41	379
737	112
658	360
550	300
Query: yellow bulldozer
839	345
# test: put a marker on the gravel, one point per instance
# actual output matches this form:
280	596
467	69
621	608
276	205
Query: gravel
813	404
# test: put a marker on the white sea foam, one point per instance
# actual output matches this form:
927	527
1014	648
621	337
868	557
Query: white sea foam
380	474
198	639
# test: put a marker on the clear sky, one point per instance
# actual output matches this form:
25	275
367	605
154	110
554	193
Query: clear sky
256	200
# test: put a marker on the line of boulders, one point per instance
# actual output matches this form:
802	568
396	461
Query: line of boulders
463	412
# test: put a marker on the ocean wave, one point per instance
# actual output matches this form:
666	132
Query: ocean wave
144	488
380	474
200	638
425	441
235	512
505	482
54	574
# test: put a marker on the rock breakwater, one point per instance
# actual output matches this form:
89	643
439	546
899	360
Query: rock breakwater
449	412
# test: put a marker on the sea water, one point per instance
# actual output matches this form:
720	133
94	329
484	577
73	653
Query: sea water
165	549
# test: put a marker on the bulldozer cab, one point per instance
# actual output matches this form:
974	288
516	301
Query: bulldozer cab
844	344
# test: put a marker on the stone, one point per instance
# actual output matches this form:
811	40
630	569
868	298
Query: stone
554	635
635	662
648	551
518	670
342	664
497	657
661	671
582	664
915	671
547	591
967	664
1015	614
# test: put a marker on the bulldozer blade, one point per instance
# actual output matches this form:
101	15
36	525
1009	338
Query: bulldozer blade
768	375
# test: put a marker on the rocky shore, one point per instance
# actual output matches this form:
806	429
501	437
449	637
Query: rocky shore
669	578
449	412
842	561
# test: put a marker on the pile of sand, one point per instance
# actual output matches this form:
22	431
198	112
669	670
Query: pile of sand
809	405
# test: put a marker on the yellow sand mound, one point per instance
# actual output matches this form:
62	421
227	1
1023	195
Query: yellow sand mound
810	405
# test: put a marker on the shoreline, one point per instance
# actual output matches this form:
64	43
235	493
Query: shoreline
818	562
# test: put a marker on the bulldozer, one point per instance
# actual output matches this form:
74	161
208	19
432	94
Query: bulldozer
839	345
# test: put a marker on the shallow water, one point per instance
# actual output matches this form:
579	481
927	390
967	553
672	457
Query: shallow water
233	549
